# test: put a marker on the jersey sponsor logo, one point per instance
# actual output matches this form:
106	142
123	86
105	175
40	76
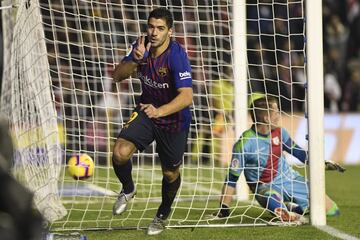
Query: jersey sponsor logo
163	71
251	165
276	140
184	75
151	83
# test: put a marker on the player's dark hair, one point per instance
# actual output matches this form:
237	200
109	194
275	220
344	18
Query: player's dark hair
260	108
162	13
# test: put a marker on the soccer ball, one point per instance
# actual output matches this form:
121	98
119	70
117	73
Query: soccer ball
81	166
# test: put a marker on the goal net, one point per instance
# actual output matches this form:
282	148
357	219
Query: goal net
59	95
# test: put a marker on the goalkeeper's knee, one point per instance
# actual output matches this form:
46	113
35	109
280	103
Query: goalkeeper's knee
270	200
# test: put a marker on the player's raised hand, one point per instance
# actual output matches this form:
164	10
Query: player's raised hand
141	52
333	166
150	110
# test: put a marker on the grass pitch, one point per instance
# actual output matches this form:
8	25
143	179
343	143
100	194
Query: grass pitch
343	188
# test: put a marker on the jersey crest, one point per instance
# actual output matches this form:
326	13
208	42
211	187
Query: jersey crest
235	164
276	140
163	71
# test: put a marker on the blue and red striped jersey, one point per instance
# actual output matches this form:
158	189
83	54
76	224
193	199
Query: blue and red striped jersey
262	159
160	78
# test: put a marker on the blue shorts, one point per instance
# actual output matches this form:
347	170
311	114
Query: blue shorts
296	191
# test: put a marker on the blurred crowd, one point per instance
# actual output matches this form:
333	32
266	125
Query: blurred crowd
276	46
341	21
277	56
86	39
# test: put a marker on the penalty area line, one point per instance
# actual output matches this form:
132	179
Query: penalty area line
336	233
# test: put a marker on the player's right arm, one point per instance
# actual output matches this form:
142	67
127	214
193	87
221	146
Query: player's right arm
130	62
292	147
227	194
124	70
229	187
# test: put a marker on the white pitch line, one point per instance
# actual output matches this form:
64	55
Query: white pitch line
104	191
197	186
336	233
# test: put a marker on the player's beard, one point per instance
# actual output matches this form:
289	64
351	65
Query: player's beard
159	42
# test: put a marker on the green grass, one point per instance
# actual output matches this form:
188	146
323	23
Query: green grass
303	232
343	188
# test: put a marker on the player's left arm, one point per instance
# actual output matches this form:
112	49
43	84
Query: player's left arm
291	147
181	101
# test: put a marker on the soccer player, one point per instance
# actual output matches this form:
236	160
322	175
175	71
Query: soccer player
259	153
162	115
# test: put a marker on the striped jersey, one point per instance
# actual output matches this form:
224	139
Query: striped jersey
262	160
160	78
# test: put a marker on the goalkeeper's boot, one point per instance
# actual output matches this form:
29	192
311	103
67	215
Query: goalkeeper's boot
122	201
157	225
333	211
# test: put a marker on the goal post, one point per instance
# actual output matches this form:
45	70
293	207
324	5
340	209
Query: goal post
240	82
316	112
59	95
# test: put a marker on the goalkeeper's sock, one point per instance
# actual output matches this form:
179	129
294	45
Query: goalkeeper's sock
293	207
168	191
333	211
274	201
123	172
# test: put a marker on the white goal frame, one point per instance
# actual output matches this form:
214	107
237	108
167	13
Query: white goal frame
315	100
314	105
316	111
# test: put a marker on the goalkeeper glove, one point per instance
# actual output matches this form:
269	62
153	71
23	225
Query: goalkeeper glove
224	212
330	165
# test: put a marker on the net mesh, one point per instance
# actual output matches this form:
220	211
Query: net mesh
63	101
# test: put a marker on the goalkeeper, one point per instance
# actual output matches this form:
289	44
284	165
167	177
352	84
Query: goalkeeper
259	153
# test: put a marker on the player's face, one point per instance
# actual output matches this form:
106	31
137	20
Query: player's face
274	115
158	33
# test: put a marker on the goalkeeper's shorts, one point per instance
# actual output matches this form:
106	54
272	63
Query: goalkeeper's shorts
296	191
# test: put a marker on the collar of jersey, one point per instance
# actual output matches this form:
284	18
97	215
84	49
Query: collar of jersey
266	136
